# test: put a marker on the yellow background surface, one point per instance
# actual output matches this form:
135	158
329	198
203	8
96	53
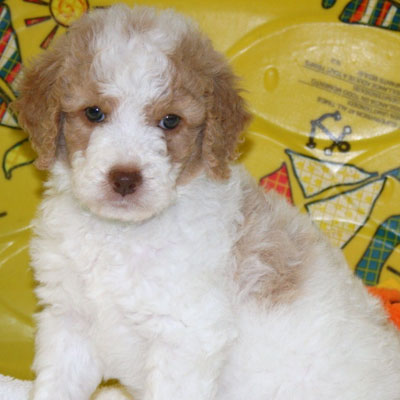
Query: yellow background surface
321	79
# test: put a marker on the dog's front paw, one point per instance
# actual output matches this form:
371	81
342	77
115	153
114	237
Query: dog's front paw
111	393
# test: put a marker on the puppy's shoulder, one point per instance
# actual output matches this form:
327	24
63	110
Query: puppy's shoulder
274	247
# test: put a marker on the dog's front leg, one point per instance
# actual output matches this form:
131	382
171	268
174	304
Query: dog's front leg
65	365
187	364
182	375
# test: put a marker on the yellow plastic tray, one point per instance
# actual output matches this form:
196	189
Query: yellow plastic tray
321	78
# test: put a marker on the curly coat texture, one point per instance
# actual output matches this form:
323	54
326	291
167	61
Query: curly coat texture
195	66
161	264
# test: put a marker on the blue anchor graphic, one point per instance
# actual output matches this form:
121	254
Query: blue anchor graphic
342	145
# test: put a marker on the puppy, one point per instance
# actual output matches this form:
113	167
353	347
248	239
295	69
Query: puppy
161	264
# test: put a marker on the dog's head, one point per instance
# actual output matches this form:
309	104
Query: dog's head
135	102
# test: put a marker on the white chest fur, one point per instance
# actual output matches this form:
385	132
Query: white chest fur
128	284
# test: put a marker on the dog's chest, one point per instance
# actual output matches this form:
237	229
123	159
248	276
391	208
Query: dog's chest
132	283
141	282
133	268
133	271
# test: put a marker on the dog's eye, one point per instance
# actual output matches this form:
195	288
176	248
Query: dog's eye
94	114
170	121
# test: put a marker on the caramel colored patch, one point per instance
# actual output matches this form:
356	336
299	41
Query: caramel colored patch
183	142
204	73
58	87
48	87
204	94
77	128
273	250
38	106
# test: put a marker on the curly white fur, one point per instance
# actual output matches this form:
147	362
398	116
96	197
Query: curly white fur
160	290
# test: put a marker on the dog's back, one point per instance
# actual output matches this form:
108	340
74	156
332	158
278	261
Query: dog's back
331	341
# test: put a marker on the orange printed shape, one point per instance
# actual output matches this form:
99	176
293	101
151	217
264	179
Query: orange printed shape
391	301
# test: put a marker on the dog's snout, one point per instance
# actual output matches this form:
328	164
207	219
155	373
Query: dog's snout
125	181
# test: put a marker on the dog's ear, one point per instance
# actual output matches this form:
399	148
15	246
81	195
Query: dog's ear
38	105
226	119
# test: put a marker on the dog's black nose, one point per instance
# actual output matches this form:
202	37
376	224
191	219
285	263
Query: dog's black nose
125	181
